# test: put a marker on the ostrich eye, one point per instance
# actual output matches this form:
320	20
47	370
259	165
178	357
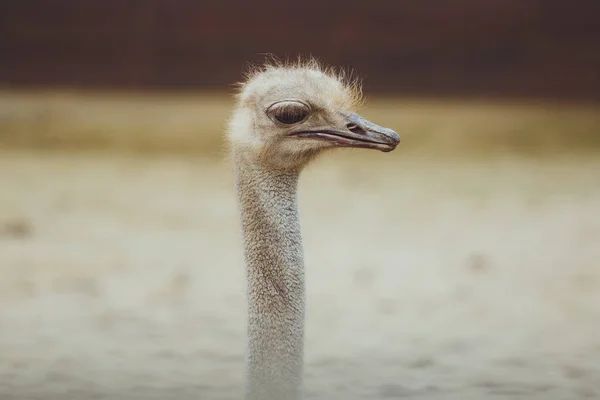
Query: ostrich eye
289	112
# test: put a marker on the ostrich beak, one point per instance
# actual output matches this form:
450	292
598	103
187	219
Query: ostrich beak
358	133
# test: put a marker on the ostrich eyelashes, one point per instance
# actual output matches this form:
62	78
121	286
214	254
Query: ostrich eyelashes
288	112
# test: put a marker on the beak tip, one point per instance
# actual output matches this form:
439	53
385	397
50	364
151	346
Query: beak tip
395	138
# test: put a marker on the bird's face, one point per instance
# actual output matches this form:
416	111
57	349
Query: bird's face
292	115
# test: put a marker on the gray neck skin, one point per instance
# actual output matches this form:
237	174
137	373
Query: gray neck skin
275	280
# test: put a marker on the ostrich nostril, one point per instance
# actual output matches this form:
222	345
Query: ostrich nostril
355	128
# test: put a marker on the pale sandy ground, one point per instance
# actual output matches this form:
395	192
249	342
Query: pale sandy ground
122	278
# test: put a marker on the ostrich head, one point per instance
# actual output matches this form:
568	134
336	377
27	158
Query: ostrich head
287	114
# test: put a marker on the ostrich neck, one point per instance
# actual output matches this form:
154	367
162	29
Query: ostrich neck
275	280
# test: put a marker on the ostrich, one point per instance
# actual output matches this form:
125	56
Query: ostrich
285	115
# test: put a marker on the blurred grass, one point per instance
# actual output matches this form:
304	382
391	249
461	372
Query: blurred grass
194	123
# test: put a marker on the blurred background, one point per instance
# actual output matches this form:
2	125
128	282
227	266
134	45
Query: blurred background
465	264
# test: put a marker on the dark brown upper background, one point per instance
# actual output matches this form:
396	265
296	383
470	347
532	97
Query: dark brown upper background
521	48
